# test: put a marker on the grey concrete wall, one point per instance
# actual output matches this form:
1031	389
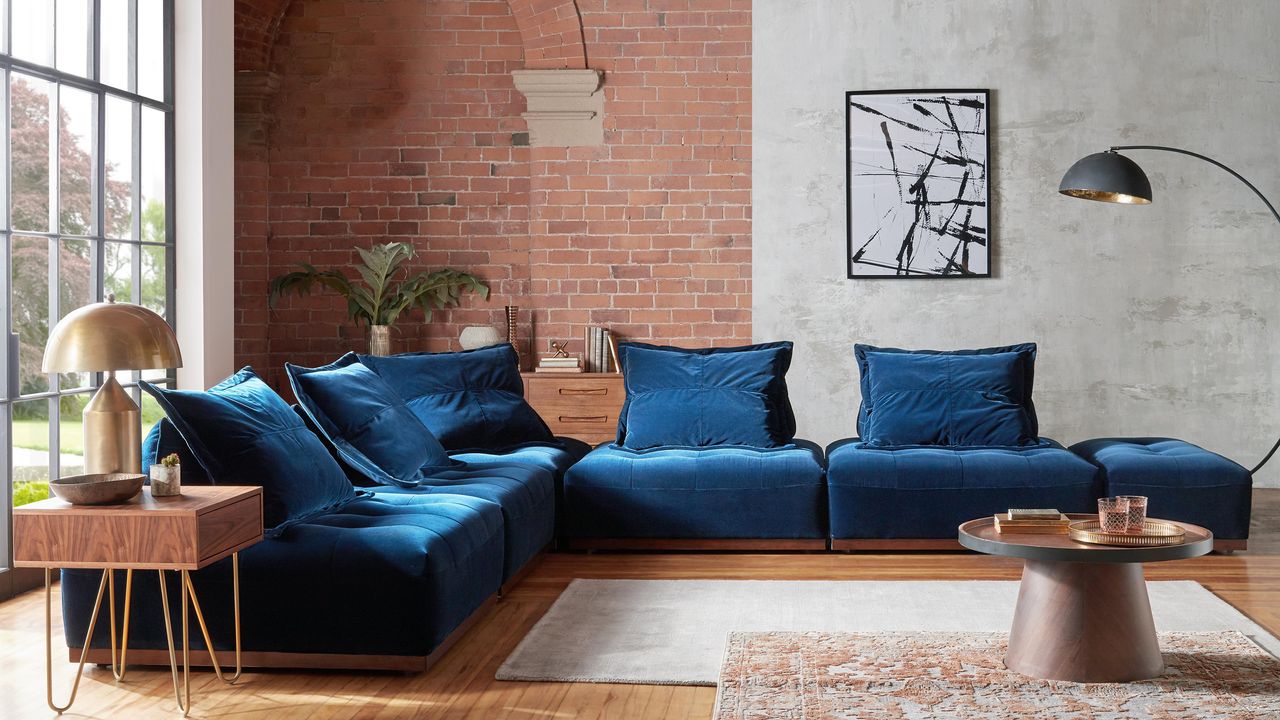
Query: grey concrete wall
1156	320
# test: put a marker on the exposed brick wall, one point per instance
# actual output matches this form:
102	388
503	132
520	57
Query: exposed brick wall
651	233
399	120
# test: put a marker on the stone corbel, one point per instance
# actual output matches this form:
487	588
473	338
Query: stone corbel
254	90
565	108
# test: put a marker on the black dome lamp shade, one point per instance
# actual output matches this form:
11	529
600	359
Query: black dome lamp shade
1112	177
1107	177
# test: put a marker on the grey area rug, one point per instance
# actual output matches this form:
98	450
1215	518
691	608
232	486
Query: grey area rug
673	632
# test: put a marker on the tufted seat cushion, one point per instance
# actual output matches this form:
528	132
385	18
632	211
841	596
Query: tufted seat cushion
926	492
1182	481
525	492
715	492
555	457
386	575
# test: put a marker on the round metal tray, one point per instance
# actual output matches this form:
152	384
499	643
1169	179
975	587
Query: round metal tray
1154	533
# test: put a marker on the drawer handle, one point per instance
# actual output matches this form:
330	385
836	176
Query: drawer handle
583	419
584	391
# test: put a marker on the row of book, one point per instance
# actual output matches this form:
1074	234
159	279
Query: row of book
601	355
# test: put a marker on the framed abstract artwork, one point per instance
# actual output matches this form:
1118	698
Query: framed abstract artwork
916	164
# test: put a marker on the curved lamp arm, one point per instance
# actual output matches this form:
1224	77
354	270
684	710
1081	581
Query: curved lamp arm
1247	184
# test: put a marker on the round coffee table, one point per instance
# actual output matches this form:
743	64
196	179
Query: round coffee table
1083	613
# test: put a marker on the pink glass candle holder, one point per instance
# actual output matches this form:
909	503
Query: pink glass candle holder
1113	514
1137	511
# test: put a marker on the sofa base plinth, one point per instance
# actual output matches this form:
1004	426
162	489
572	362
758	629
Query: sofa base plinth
901	544
896	544
696	544
303	661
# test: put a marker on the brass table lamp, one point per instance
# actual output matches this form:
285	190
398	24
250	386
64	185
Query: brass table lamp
106	337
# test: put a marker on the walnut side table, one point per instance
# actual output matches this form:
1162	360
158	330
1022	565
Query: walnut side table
182	533
1083	613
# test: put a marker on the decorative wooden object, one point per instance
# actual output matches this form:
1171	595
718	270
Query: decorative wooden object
1083	614
182	532
583	406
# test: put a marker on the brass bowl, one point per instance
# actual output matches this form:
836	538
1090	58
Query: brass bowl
97	489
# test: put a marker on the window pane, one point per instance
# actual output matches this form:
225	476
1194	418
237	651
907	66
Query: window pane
117	270
75	162
30	451
71	434
153	176
74	290
151	48
151	411
119	159
73	36
29	136
113	44
153	277
30	258
33	30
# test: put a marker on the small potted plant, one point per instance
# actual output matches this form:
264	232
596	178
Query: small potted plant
166	476
378	298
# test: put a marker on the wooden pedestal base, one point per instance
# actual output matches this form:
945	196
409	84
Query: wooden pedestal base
1084	622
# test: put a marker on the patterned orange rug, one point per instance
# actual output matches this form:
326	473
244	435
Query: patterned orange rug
923	676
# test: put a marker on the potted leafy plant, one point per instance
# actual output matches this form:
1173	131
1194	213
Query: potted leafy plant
378	297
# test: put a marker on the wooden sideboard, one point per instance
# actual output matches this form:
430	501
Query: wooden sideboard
577	405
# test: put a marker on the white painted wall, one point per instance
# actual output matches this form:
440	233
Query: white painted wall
1156	320
204	50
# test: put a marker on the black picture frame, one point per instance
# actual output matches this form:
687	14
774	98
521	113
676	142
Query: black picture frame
856	267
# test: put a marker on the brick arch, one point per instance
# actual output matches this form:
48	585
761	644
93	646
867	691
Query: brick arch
551	31
257	23
552	34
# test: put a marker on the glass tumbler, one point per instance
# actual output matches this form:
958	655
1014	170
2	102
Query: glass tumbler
1137	511
1113	514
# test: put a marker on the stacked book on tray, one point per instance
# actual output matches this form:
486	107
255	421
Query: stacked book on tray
1039	520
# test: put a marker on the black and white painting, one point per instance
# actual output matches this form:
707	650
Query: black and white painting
918	194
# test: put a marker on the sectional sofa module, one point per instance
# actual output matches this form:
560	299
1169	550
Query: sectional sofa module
916	497
430	539
698	498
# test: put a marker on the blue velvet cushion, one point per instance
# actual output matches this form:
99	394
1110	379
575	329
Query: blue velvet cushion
706	397
471	400
925	492
1025	351
244	434
720	492
1181	481
162	440
367	422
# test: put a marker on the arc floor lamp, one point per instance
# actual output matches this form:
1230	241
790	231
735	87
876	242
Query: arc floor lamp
1112	177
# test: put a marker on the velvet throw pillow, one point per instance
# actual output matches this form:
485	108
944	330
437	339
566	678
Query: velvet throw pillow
471	400
367	422
164	439
1025	351
243	433
949	399
706	397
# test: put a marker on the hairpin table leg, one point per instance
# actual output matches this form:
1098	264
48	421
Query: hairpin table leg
118	670
48	639
168	632
204	630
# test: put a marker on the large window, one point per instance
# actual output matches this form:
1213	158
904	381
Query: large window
87	189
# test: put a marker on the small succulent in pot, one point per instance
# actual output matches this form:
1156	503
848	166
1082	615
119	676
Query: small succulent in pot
166	476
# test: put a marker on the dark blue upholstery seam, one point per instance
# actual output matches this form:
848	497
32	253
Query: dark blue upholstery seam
330	509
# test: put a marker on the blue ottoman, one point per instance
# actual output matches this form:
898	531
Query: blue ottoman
925	493
1184	482
721	493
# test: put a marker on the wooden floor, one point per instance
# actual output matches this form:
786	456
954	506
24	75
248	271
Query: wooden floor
462	685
